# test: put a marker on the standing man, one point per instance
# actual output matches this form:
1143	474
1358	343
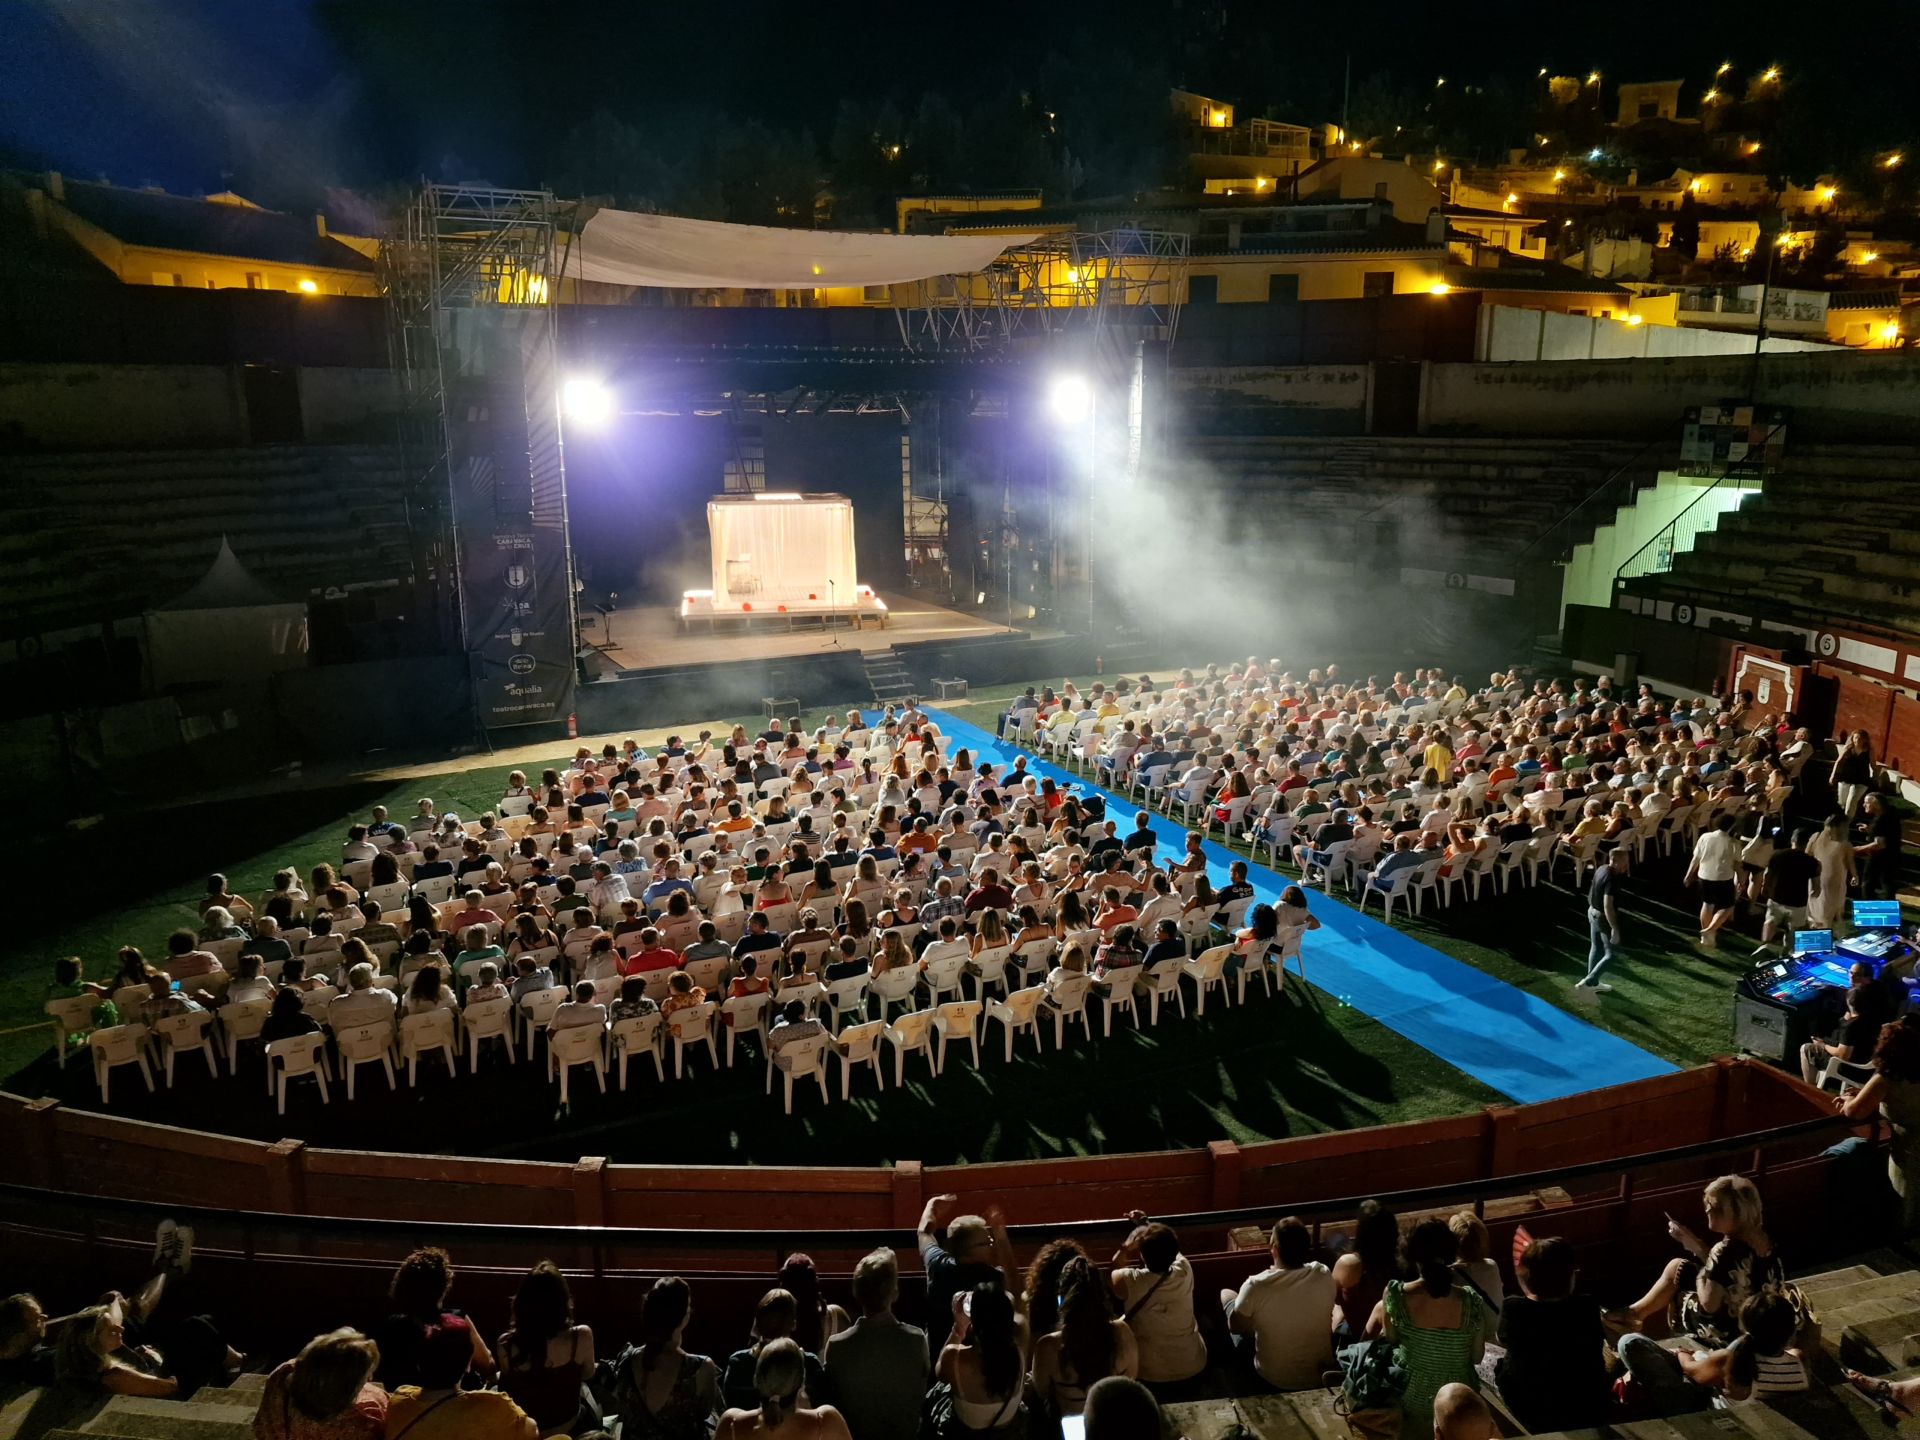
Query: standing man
1879	856
1603	919
1792	878
1716	860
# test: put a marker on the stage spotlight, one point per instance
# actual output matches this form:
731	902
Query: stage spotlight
1070	398
587	400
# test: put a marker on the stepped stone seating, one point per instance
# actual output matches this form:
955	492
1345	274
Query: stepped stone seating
1834	533
1469	498
90	537
214	1413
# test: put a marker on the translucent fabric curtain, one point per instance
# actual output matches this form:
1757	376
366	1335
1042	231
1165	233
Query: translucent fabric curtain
769	552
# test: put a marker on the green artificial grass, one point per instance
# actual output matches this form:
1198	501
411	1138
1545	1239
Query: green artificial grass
1301	1064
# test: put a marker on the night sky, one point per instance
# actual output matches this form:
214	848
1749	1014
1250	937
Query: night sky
295	95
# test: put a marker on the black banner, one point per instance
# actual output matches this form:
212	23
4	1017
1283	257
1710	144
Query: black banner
509	514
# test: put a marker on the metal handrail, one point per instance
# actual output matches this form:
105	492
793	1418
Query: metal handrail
56	1202
1589	497
1752	466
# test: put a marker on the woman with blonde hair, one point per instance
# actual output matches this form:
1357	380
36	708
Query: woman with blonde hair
779	1373
1708	1288
325	1393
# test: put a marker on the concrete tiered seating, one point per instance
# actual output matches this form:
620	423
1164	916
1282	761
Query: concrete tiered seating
1835	533
1491	496
87	537
214	1413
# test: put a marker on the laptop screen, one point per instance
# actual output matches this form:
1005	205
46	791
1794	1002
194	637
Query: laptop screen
1812	942
1876	914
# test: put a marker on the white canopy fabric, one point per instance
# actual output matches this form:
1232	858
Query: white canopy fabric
621	247
796	548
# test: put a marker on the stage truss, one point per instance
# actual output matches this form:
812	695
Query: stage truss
1127	283
459	247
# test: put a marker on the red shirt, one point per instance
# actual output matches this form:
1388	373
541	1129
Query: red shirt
659	958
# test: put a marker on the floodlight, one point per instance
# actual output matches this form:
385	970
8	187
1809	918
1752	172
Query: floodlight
587	400
1070	398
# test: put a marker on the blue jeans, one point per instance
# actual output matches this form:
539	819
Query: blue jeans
1601	951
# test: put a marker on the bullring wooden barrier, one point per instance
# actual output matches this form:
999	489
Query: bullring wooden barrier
53	1148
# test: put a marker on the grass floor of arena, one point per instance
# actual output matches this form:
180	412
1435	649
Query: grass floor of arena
1300	1065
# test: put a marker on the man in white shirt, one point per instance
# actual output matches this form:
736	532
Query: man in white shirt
357	846
1716	860
362	1003
1287	1311
581	1010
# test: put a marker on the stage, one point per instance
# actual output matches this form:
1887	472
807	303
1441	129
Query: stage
653	637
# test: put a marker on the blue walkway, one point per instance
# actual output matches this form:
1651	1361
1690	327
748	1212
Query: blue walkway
1522	1046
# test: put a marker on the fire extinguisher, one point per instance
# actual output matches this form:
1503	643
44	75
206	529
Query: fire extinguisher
573	726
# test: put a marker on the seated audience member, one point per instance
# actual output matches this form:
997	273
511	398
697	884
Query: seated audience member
984	1366
287	1018
1554	1373
530	975
267	946
546	1358
248	983
1439	1325
216	923
1460	1414
1153	1283
1475	1265
1758	1363
773	1319
429	991
682	994
972	1254
362	1002
582	1009
186	961
435	1407
877	1370
1092	1342
667	1392
794	1025
633	1001
1284	1310
780	1392
326	1392
1122	1409
417	1298
1705	1292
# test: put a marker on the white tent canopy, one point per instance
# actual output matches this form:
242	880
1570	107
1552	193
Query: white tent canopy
228	627
621	247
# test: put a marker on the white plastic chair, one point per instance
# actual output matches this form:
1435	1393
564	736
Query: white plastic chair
1163	979
577	1045
486	1020
1019	1011
536	1012
1115	991
892	987
944	976
190	1032
1036	959
240	1023
848	997
119	1045
425	1033
639	1035
690	1026
860	1045
912	1032
1069	1002
1324	871
293	1057
1207	970
71	1016
1426	880
1395	888
957	1020
749	1016
989	969
799	1061
365	1045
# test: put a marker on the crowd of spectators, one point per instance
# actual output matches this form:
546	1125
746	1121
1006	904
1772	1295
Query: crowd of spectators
1005	1348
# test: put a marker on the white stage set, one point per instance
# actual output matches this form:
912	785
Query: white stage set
773	554
782	555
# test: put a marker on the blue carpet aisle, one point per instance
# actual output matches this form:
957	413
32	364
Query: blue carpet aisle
1524	1047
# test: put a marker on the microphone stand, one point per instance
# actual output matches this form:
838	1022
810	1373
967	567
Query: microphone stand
833	614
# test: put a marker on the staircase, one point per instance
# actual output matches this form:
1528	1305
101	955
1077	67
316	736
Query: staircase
886	675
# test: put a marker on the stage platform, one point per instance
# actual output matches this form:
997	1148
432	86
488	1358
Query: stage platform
652	637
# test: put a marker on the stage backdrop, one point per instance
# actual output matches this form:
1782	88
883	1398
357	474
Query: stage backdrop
773	548
857	456
510	514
